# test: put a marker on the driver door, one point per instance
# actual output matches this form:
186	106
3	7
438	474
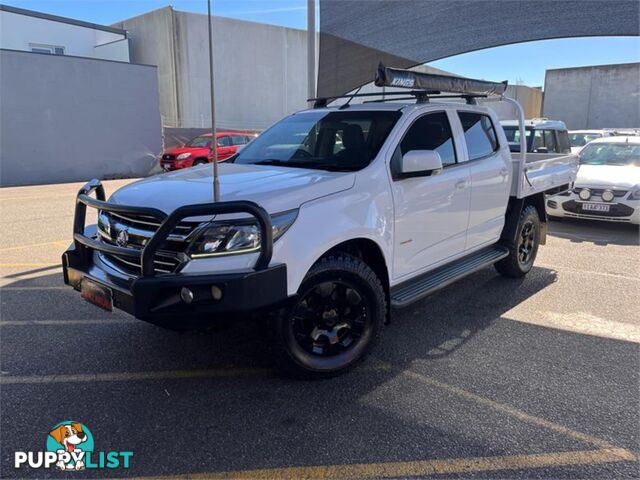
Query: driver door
431	212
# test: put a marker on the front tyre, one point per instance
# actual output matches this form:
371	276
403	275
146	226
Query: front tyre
523	252
334	320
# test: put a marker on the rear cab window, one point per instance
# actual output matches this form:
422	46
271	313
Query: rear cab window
479	134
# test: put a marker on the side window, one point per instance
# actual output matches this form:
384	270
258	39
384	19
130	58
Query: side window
479	134
550	141
224	141
538	141
239	140
431	132
564	146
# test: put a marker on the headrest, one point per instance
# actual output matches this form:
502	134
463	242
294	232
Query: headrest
352	137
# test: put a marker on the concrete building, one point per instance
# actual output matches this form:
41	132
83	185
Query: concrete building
529	97
601	96
260	70
38	32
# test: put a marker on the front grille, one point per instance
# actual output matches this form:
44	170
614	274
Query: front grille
615	209
598	191
140	228
168	156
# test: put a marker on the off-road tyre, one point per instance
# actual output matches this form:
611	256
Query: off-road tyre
523	251
357	292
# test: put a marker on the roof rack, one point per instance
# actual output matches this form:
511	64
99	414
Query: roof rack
424	86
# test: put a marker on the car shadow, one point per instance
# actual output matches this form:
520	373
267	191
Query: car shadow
595	232
432	328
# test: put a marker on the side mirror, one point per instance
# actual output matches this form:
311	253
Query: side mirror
421	163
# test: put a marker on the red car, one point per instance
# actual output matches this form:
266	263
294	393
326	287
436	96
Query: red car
198	150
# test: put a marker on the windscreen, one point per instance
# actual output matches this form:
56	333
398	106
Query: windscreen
610	154
336	141
581	139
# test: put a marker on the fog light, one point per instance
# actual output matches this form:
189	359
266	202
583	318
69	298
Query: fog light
552	204
607	195
585	194
186	295
216	293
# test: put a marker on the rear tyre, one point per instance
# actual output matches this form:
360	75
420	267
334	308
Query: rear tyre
333	322
523	252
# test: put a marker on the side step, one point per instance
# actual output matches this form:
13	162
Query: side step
421	286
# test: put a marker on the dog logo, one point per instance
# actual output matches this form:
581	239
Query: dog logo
123	238
70	440
70	447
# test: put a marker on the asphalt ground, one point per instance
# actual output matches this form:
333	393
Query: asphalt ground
489	378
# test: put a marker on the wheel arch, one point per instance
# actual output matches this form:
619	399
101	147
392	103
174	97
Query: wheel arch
512	216
369	252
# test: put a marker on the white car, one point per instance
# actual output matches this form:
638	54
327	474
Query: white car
608	183
579	138
377	206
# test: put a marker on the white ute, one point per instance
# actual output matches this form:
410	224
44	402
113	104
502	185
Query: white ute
327	221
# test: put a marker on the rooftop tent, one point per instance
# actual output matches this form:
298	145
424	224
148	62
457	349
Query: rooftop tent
355	35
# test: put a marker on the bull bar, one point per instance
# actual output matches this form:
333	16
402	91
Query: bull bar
146	296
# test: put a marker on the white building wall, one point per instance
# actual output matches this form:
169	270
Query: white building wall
19	32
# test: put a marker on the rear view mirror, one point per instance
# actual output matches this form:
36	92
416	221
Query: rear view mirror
417	163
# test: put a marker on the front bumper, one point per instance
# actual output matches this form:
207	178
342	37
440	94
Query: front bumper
174	165
624	210
156	297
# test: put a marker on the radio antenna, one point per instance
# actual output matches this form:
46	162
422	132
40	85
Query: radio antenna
214	140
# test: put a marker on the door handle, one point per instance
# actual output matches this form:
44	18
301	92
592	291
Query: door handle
461	184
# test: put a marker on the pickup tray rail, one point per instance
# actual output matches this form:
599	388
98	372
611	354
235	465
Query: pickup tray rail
85	244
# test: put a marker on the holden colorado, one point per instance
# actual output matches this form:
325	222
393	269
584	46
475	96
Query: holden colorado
327	222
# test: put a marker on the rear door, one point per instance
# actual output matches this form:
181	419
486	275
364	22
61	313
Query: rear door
490	169
431	212
225	147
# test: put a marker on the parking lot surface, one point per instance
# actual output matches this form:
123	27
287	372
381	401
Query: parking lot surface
488	378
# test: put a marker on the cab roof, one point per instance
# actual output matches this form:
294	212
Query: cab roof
537	123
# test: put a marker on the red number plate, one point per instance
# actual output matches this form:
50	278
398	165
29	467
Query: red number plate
97	294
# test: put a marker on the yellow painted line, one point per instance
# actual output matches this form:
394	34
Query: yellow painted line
33	245
134	376
423	467
57	323
508	410
12	265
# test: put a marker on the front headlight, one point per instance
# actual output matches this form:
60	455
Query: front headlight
235	237
635	193
182	156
